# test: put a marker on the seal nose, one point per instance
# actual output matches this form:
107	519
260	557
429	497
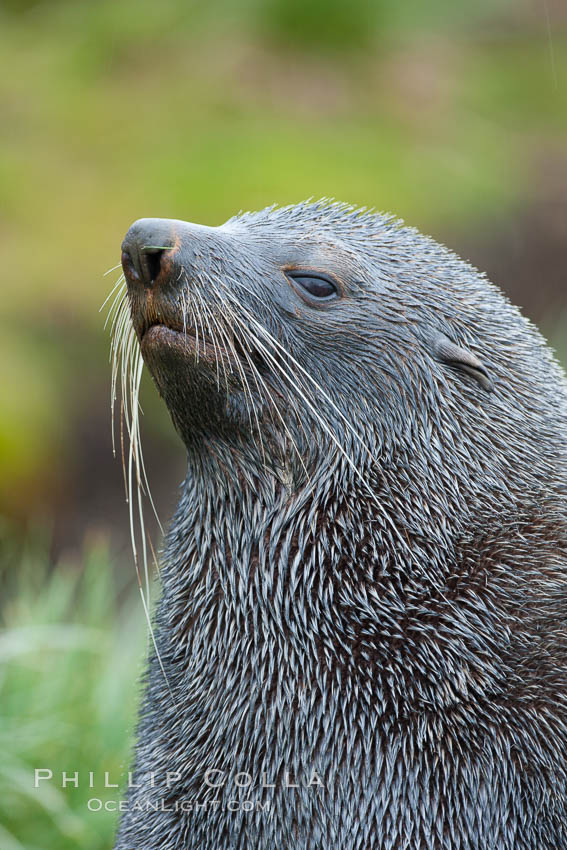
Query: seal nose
143	249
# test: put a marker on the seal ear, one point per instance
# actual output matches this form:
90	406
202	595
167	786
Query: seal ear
453	355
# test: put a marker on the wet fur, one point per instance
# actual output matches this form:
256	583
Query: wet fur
395	623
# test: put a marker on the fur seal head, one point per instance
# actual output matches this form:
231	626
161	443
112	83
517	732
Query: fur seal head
298	331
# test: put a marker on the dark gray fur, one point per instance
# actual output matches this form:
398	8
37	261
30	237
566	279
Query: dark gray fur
400	630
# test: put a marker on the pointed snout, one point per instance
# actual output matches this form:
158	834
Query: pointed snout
160	252
145	247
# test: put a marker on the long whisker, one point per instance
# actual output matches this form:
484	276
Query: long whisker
134	464
250	406
275	344
114	371
258	378
199	323
249	336
207	318
224	338
275	409
257	343
186	307
127	364
121	280
113	269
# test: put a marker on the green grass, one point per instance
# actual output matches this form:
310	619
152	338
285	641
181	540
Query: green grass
70	658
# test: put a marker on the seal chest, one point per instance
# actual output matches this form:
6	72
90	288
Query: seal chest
360	641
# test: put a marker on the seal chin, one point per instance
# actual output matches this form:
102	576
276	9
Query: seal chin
206	392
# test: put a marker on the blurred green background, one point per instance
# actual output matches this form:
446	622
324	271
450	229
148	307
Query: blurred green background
452	115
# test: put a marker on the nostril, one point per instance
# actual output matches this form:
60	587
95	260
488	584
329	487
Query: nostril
144	249
153	258
128	265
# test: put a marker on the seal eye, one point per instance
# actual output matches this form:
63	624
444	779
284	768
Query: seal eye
319	287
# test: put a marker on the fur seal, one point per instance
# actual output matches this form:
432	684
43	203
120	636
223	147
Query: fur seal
361	638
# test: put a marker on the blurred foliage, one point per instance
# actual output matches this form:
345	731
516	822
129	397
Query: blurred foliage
324	23
69	665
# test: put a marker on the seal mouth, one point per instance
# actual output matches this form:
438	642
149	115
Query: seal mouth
194	342
189	338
